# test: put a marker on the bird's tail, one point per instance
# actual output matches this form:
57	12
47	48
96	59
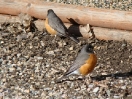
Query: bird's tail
74	39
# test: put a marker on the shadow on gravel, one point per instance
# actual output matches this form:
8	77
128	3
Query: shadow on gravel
116	76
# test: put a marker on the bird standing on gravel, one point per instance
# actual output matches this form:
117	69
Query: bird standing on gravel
84	63
55	26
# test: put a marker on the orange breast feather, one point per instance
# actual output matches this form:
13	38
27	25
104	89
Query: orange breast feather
48	28
89	65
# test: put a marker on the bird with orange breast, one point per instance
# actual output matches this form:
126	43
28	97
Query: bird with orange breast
84	63
55	26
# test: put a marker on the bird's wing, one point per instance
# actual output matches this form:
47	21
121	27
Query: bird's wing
56	23
80	60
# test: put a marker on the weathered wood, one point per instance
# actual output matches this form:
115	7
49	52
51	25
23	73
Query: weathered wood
82	15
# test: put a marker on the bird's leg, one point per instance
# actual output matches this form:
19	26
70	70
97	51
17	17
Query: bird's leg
54	39
62	43
44	32
87	81
89	78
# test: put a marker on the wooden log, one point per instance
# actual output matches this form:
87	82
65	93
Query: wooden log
100	33
80	14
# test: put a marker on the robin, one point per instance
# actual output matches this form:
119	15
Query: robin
84	63
55	26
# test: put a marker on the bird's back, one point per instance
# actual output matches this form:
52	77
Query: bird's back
56	23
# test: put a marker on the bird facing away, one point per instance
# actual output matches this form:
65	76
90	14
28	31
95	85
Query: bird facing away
84	63
55	26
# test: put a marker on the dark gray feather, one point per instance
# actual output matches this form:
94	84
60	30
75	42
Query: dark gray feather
56	23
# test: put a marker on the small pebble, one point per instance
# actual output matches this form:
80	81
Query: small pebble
95	90
123	87
71	48
60	44
43	94
2	42
42	43
39	58
108	92
27	91
116	97
121	81
50	53
11	69
18	55
90	85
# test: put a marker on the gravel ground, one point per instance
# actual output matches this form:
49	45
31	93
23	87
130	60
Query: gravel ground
125	5
30	62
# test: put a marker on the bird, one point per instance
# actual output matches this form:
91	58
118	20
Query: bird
84	63
55	26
